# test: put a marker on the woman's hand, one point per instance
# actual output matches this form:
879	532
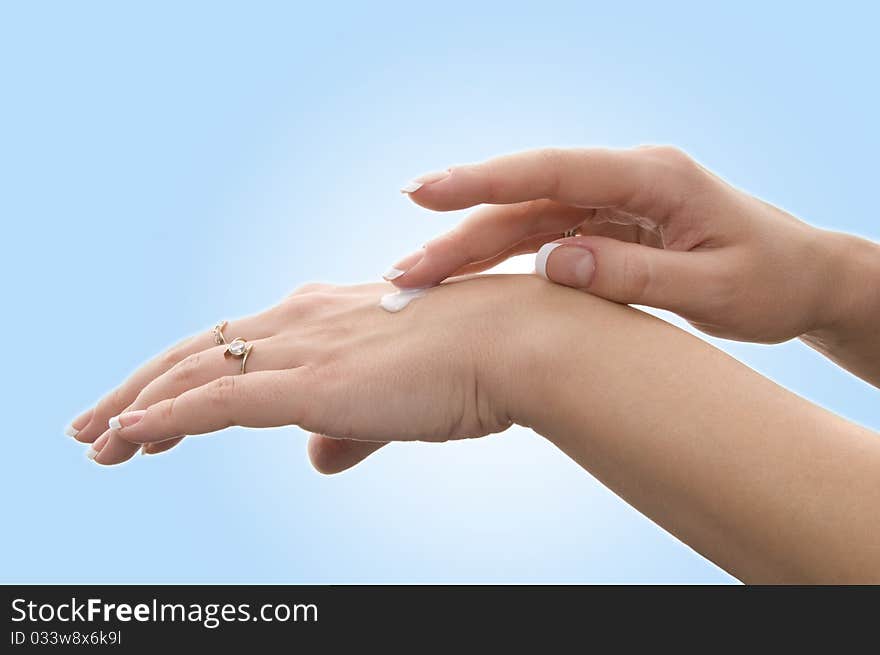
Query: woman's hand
331	361
767	485
658	229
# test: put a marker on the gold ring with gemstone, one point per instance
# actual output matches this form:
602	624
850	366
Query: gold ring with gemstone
219	339
239	348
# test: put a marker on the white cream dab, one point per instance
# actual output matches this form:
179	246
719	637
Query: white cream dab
394	302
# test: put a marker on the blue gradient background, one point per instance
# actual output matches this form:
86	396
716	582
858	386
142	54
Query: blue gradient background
166	165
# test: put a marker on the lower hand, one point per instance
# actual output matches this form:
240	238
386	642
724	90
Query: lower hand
330	360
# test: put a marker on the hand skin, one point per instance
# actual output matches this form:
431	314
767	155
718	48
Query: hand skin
767	485
660	230
335	355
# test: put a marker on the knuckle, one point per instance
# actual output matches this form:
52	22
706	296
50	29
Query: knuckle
221	391
555	161
305	304
186	369
114	401
525	210
672	157
671	174
311	414
552	155
446	240
167	410
488	173
455	242
120	397
664	151
310	287
635	276
170	357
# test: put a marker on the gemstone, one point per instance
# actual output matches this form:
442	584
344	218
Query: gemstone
237	347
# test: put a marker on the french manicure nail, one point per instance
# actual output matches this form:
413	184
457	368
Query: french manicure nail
404	265
96	448
82	421
127	419
541	258
428	178
573	265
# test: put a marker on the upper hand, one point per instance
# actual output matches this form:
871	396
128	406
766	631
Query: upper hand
656	229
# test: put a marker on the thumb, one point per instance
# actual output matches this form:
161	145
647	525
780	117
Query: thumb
627	272
330	455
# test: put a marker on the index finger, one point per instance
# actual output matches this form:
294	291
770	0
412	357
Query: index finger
649	180
260	399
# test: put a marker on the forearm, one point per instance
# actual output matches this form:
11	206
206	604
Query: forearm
764	483
849	330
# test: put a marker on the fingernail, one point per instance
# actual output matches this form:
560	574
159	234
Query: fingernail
428	178
541	258
127	419
82	421
404	265
572	266
96	448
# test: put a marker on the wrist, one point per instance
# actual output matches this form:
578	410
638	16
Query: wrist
846	329
850	302
564	340
532	367
517	337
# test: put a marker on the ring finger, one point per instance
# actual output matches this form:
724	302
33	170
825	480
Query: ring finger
91	424
193	371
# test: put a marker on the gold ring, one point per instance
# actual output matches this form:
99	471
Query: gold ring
219	339
239	348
